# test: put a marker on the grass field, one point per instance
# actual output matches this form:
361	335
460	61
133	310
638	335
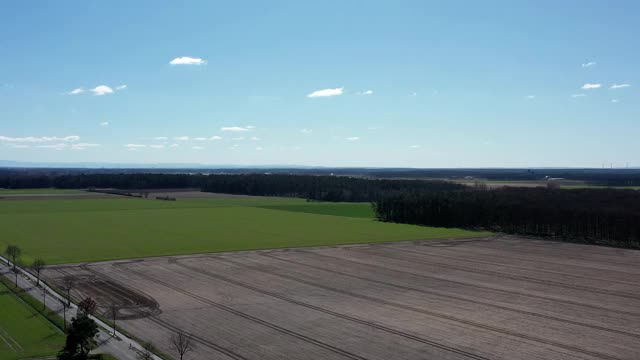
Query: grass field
37	191
23	332
65	231
356	210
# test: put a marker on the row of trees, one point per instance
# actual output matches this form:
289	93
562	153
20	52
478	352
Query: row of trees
323	188
13	253
601	216
81	332
83	329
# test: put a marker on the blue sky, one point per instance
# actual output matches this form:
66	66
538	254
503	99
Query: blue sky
397	83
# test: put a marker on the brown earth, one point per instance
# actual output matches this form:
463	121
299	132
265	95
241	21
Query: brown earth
492	298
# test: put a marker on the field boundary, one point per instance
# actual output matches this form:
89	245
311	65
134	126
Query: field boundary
310	247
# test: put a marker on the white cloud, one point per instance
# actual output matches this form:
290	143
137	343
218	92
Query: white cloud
42	139
174	145
236	128
186	60
353	138
181	138
135	146
83	146
415	146
60	146
157	146
214	138
76	91
200	138
578	95
240	138
255	138
197	147
614	100
101	90
366	92
326	93
233	147
306	131
259	148
531	97
98	90
588	86
160	138
104	123
413	94
19	146
589	64
619	86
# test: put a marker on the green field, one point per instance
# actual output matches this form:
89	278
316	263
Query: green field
66	231
23	332
37	191
357	210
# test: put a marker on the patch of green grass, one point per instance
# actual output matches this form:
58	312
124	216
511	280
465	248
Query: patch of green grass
34	303
356	210
38	191
22	326
66	231
132	204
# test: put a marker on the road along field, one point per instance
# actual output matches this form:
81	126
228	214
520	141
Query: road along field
490	298
67	231
23	332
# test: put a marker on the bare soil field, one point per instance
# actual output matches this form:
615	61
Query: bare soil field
490	298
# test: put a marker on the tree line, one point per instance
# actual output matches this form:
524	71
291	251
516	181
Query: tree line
82	330
608	216
322	188
597	216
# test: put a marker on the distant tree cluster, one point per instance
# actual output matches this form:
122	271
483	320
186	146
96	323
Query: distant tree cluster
600	216
322	188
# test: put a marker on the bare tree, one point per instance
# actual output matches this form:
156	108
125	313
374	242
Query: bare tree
64	313
88	305
182	343
37	266
68	282
112	312
146	353
15	272
44	299
13	252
